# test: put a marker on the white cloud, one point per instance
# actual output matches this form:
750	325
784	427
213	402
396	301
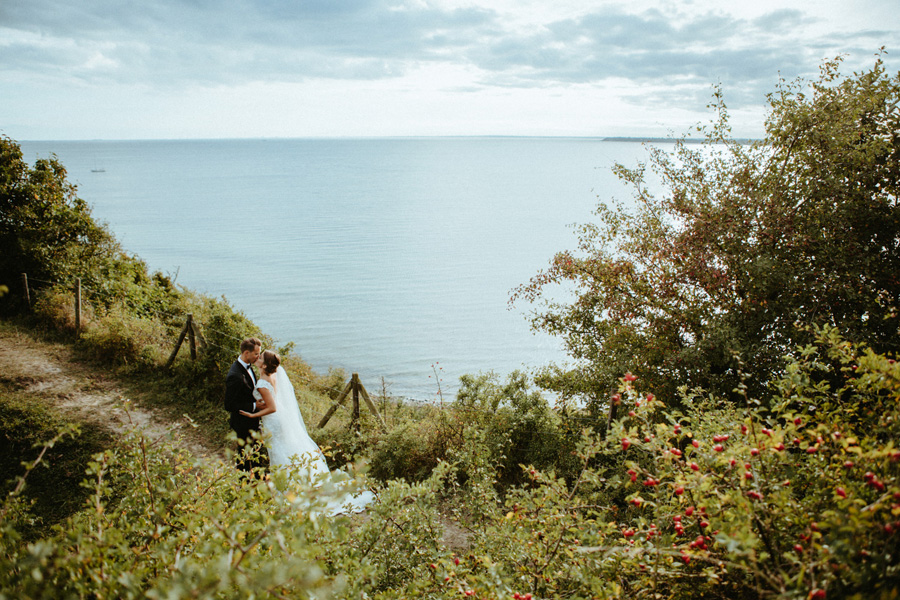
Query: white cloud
167	68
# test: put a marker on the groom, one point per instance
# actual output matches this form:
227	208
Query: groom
239	386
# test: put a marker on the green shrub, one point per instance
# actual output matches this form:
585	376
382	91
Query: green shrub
520	425
54	309
121	338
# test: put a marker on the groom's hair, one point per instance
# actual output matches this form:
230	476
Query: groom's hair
250	344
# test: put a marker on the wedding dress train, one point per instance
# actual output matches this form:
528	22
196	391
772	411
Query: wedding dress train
290	446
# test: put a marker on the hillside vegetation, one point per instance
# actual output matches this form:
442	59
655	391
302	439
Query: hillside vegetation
728	430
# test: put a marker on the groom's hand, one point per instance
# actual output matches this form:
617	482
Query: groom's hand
260	404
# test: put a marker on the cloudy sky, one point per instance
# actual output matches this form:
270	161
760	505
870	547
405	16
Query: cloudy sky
103	69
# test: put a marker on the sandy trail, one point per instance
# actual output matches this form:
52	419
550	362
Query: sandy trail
50	372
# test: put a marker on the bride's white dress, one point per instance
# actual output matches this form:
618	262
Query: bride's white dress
289	445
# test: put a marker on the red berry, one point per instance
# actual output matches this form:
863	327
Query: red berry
689	511
798	548
679	490
779	446
848	464
817	595
719	448
748	475
625	443
797	420
840	492
630	377
695	466
631	413
675	451
744	429
812	450
768	432
695	444
754	452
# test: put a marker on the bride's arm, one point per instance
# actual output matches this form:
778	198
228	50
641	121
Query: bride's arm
269	399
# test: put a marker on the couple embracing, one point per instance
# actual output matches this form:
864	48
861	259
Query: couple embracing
267	402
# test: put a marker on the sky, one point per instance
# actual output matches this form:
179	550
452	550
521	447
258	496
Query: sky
171	69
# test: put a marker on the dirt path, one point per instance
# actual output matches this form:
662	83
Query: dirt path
52	373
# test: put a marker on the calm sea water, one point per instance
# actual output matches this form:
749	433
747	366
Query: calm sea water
381	256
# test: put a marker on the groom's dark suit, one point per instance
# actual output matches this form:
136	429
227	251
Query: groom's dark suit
239	396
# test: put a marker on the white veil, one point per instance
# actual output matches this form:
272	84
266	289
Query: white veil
290	446
290	442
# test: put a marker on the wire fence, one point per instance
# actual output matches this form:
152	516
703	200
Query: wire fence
173	318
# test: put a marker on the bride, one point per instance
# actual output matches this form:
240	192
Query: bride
284	431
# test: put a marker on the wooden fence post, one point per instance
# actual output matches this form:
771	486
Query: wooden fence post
191	338
27	292
357	389
340	400
200	337
354	418
184	331
78	307
371	405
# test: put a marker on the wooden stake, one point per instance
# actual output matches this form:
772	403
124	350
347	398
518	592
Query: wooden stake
355	386
78	307
354	419
190	331
27	292
184	330
200	337
340	400
371	405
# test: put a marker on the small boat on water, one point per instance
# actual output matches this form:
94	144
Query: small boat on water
98	170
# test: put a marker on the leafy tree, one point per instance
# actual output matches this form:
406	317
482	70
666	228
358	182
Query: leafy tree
747	241
46	230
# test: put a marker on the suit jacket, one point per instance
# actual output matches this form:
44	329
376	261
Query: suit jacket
239	396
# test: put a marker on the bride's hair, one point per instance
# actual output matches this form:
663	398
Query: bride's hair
271	360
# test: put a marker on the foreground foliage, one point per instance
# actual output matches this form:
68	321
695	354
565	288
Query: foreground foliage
796	495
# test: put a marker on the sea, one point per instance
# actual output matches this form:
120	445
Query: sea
393	258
